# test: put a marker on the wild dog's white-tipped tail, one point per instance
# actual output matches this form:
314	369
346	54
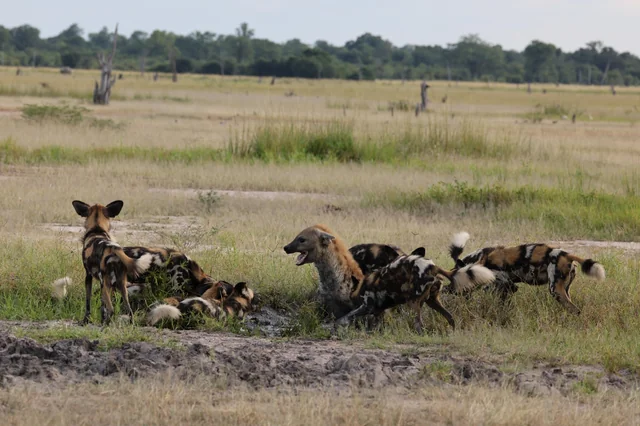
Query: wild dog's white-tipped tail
593	269
162	312
470	277
458	242
133	290
143	263
59	288
460	239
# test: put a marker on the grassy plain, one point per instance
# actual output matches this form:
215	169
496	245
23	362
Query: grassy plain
230	169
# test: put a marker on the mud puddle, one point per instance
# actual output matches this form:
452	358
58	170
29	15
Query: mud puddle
265	363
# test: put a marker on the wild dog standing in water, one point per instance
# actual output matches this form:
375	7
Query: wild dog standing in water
534	264
215	303
104	259
412	280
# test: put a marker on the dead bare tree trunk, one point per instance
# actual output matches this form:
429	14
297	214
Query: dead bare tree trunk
423	95
102	91
606	70
273	80
172	59
613	90
143	60
529	87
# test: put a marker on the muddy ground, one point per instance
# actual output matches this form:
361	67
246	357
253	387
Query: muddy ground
267	363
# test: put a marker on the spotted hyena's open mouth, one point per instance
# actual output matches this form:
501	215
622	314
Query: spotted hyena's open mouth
301	258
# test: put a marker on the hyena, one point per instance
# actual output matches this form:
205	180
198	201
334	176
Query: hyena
104	260
534	264
336	267
215	303
413	280
339	272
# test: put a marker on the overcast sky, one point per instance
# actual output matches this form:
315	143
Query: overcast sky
568	24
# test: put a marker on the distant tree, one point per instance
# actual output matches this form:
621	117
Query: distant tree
243	43
25	37
539	61
101	40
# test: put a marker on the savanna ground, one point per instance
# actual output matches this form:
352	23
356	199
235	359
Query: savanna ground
231	169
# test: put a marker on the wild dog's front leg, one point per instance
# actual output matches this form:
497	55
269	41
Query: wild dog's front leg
416	306
363	309
433	301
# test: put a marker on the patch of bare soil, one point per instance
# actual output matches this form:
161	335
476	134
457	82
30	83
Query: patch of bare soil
623	245
264	363
261	195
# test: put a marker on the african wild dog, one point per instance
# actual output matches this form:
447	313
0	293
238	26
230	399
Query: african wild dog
534	264
412	280
215	303
371	257
185	275
104	260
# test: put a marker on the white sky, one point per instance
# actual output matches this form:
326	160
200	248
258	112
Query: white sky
568	24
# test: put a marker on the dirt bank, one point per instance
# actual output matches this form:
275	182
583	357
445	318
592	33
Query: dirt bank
265	363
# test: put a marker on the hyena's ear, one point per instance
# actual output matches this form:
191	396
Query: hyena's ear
81	208
420	251
114	207
355	282
325	239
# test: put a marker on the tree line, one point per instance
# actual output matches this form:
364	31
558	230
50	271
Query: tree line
366	58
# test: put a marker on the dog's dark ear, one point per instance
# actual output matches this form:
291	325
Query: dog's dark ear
114	207
420	251
240	287
81	208
325	239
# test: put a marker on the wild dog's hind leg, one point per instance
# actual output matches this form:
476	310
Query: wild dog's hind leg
117	280
559	281
106	310
88	281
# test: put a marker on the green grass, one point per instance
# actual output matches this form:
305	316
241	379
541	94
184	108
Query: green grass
565	212
65	114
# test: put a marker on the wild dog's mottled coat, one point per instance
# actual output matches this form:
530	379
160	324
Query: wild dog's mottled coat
412	280
534	264
336	267
214	303
185	275
104	259
372	256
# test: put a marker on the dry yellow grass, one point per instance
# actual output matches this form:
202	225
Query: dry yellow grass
163	401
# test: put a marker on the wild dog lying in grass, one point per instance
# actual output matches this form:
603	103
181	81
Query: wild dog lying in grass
104	259
185	276
214	303
534	264
412	280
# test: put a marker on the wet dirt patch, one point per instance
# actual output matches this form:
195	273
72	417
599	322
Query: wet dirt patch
265	363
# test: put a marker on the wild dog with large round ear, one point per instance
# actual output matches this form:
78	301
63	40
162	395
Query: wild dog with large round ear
104	259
